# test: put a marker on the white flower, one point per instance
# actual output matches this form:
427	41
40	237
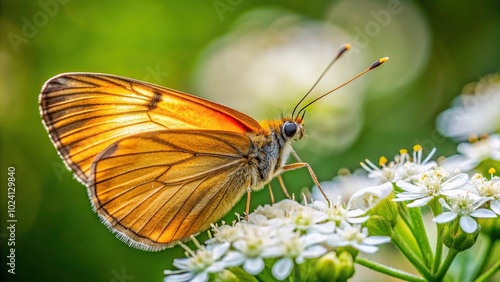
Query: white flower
292	234
251	248
223	233
464	205
343	185
410	169
337	212
430	185
274	211
357	237
473	153
489	189
311	220
197	267
475	111
403	167
384	173
297	248
366	198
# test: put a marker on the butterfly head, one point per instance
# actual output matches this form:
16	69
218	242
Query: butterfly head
292	128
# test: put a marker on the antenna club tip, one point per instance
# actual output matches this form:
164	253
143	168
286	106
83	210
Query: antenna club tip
379	62
347	46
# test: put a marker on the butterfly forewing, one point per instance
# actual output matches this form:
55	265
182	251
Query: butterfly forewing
85	113
160	187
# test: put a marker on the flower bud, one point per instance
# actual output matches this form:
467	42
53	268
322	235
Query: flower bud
346	266
328	268
378	226
226	276
455	238
387	209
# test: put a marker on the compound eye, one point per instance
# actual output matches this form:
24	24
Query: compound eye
290	128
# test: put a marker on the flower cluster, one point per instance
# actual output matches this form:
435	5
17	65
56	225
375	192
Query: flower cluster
286	233
473	153
423	182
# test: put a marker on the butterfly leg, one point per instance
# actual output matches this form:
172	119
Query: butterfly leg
283	187
311	172
247	209
271	192
296	156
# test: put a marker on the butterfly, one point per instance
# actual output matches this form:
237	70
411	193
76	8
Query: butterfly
161	165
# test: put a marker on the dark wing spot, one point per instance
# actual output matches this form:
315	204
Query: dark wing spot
153	104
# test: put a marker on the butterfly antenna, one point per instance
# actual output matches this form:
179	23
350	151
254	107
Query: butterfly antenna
374	65
342	50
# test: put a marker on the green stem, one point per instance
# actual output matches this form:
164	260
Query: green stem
388	270
403	213
420	235
452	253
439	250
489	273
411	256
436	210
296	270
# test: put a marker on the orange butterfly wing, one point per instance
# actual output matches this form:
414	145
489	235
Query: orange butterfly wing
159	188
85	113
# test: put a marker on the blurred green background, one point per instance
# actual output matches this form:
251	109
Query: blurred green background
59	238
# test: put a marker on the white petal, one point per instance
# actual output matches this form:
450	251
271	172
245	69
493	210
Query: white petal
357	220
254	265
429	156
314	251
320	205
186	276
325	228
468	224
233	258
365	248
240	245
384	190
483	213
182	263
444	204
409	187
455	182
313	238
495	206
200	277
216	267
455	192
319	216
274	251
337	242
355	213
445	217
282	268
220	250
360	199
479	201
419	202
452	163
404	196
376	240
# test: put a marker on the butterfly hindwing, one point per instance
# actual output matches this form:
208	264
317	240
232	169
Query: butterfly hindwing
158	188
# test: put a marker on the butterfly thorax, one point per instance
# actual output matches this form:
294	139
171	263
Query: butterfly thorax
271	149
